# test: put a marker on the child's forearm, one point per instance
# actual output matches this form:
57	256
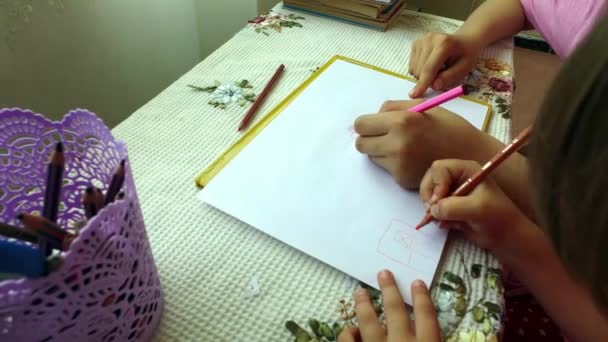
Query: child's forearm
511	175
494	20
531	257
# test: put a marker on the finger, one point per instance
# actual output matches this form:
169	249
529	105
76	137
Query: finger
436	183
375	146
397	319
383	162
453	225
423	54
427	327
456	208
412	60
349	334
452	75
396	106
429	72
369	326
371	125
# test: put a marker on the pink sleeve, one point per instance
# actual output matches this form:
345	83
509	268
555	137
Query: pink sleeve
563	23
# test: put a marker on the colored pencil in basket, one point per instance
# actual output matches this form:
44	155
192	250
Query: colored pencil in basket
46	229
88	202
116	184
17	258
99	199
17	233
469	185
54	178
260	100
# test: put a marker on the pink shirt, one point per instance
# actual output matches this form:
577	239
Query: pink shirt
563	23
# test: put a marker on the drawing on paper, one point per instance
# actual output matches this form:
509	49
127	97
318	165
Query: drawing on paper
401	243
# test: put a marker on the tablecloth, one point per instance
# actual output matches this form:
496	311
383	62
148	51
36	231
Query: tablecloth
224	280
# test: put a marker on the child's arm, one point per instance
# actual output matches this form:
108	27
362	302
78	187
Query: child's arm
494	20
529	254
440	60
488	218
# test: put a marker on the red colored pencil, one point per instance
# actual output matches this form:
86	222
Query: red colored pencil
260	100
470	184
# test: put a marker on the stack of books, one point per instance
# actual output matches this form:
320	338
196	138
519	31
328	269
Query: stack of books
376	14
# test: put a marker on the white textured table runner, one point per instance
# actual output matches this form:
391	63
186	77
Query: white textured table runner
223	280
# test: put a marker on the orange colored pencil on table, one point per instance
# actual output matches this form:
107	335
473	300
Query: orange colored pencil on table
260	100
470	184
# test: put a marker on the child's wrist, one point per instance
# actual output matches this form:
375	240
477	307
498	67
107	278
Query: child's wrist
474	40
518	245
481	147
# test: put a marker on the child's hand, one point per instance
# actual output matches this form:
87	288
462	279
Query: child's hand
405	144
486	215
399	327
439	61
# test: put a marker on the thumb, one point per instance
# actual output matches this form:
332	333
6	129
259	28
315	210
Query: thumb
455	208
452	75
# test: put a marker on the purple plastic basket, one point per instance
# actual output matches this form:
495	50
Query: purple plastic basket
107	287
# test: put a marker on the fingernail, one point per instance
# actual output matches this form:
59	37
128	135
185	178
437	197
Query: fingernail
385	275
412	92
427	205
419	283
435	211
434	198
438	85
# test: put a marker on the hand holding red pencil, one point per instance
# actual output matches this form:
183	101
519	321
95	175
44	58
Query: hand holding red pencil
485	216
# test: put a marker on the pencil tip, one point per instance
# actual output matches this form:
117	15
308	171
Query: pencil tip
20	216
89	190
59	147
123	162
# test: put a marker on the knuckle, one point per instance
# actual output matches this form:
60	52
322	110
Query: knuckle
392	305
361	297
405	120
473	165
429	35
441	38
360	145
438	164
444	210
359	124
424	309
386	105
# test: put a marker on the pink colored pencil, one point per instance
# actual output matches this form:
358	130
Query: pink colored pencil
438	100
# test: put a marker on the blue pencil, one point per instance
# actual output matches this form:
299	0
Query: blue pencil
19	258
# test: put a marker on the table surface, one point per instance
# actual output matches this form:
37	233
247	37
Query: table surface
224	280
